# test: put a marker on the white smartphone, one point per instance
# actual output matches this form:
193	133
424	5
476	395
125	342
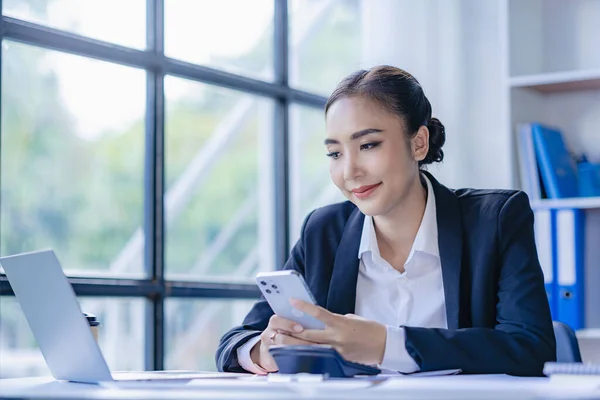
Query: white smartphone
279	287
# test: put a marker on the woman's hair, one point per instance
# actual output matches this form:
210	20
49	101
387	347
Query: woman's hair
401	94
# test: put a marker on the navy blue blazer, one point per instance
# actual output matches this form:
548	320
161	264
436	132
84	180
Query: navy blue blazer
497	310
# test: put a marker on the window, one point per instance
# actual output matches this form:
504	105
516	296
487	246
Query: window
72	159
240	34
121	336
165	162
219	189
310	183
95	19
325	42
194	328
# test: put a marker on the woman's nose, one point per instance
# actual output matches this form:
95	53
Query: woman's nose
351	168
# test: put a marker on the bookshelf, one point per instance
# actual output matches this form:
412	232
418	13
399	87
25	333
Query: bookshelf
556	82
552	76
575	202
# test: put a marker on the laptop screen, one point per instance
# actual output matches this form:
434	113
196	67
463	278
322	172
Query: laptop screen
55	318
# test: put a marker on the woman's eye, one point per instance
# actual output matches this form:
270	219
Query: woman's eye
369	146
334	154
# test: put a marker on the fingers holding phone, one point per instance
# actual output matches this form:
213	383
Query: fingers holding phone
278	287
277	333
283	325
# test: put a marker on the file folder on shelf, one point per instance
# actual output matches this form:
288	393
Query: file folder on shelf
557	166
528	167
545	244
589	179
570	253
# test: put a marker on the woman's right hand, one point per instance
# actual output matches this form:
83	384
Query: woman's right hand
276	333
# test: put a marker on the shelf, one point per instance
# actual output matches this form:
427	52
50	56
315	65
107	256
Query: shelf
575	202
590	333
558	81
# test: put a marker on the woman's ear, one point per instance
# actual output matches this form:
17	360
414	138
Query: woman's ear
420	143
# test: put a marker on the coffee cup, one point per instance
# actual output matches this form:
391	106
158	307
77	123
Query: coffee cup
94	324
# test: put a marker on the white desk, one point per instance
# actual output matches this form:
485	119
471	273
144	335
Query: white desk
447	387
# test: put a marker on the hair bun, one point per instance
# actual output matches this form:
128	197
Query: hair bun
437	138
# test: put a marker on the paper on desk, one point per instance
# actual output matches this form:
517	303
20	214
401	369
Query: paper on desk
208	381
305	387
305	384
592	381
441	372
393	374
168	379
173	375
487	383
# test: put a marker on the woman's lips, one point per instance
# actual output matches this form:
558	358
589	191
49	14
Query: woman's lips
365	191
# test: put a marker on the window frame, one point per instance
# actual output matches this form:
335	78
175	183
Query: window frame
156	288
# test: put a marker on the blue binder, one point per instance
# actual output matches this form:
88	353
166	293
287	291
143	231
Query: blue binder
570	253
589	179
557	166
545	244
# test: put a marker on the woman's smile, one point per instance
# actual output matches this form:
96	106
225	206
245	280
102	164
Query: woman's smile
365	191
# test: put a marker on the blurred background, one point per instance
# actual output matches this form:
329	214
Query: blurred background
167	150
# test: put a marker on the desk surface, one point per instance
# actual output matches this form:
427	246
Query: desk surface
447	387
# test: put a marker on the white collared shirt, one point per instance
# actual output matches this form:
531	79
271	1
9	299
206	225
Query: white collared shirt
412	298
383	294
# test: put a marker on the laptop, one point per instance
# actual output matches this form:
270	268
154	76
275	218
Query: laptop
60	328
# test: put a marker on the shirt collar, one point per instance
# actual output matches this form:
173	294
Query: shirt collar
426	240
368	239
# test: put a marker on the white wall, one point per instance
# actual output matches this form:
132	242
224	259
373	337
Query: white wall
455	49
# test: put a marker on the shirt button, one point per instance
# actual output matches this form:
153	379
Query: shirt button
403	278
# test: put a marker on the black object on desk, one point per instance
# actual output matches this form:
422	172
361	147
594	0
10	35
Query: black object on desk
317	359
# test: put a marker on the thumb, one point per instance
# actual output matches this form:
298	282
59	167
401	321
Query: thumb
267	361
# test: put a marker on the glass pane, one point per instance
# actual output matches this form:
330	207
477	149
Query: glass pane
325	42
72	160
219	181
194	328
235	35
121	336
310	182
115	21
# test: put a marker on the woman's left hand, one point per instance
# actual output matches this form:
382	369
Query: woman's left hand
355	338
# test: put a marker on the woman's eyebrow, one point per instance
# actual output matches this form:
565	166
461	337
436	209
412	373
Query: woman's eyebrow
355	135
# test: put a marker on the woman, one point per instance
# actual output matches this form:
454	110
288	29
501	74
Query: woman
408	274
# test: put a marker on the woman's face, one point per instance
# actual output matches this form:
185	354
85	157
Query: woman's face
372	162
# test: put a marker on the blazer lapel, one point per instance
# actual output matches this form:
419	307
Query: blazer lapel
341	298
342	288
450	245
